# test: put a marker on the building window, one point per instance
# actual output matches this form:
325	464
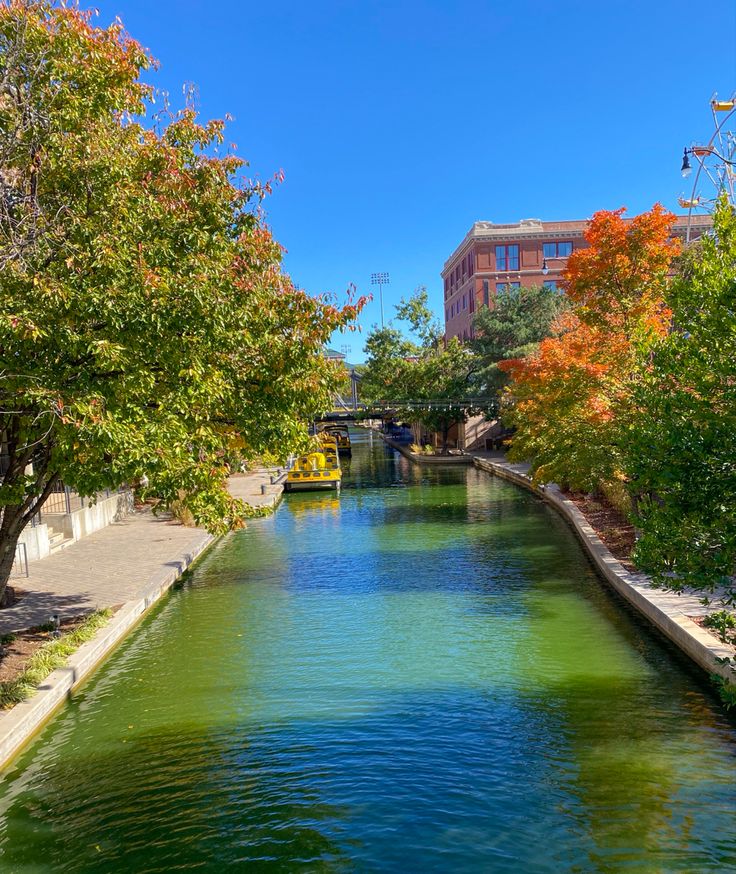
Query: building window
507	257
470	263
471	302
557	250
505	286
486	292
447	315
465	301
550	283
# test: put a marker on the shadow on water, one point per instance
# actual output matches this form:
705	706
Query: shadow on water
423	673
451	779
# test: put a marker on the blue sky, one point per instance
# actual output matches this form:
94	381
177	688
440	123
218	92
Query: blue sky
399	124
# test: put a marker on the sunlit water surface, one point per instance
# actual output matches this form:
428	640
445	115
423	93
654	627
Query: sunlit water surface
421	675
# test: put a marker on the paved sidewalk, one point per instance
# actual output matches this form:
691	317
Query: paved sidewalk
118	563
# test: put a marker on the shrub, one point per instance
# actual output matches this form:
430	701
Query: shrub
50	656
723	622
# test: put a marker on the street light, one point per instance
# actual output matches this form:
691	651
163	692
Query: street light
686	169
380	279
702	152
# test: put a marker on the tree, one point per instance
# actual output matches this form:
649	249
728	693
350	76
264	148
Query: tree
571	402
438	384
424	324
426	382
145	323
682	461
387	351
512	328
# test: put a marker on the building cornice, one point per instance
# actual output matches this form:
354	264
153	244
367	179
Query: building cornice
533	229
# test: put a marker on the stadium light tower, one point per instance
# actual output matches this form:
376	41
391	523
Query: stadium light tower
380	279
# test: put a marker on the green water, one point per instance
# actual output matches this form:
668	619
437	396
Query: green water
422	675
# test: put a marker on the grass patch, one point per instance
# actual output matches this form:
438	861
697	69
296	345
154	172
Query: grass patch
48	658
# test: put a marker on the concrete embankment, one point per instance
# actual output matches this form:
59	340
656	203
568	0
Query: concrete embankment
132	563
667	611
671	613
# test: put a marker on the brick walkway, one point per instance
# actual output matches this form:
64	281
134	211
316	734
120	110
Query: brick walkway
118	563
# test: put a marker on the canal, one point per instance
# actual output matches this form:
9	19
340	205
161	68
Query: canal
424	674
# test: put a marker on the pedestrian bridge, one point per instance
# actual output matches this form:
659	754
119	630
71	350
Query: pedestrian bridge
346	411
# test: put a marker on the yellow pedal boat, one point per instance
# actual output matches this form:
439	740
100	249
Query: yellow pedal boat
315	470
341	435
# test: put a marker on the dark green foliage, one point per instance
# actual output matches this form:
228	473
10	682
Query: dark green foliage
518	321
682	458
722	621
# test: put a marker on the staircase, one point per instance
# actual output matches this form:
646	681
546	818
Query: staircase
57	539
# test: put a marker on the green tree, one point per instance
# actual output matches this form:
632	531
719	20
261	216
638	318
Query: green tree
439	385
512	328
146	326
424	324
427	382
682	460
387	351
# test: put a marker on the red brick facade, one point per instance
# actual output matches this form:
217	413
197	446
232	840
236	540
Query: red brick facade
493	257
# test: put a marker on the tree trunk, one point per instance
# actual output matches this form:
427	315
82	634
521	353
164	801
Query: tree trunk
13	520
8	545
445	432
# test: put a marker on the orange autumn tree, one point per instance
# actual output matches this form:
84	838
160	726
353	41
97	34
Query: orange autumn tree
571	402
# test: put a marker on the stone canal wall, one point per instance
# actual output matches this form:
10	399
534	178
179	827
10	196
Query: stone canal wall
665	610
123	564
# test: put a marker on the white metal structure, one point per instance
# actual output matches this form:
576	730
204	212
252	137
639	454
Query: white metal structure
716	162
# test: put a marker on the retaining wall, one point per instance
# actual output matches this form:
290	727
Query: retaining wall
76	525
654	604
19	725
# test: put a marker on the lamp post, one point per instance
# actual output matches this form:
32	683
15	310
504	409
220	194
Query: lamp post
380	279
715	160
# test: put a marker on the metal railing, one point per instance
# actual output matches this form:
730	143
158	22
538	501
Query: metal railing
20	562
63	500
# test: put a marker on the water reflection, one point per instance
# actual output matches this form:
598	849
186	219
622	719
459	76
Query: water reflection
422	674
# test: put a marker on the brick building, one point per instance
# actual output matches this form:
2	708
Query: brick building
492	258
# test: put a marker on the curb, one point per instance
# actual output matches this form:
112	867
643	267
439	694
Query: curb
19	724
700	646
